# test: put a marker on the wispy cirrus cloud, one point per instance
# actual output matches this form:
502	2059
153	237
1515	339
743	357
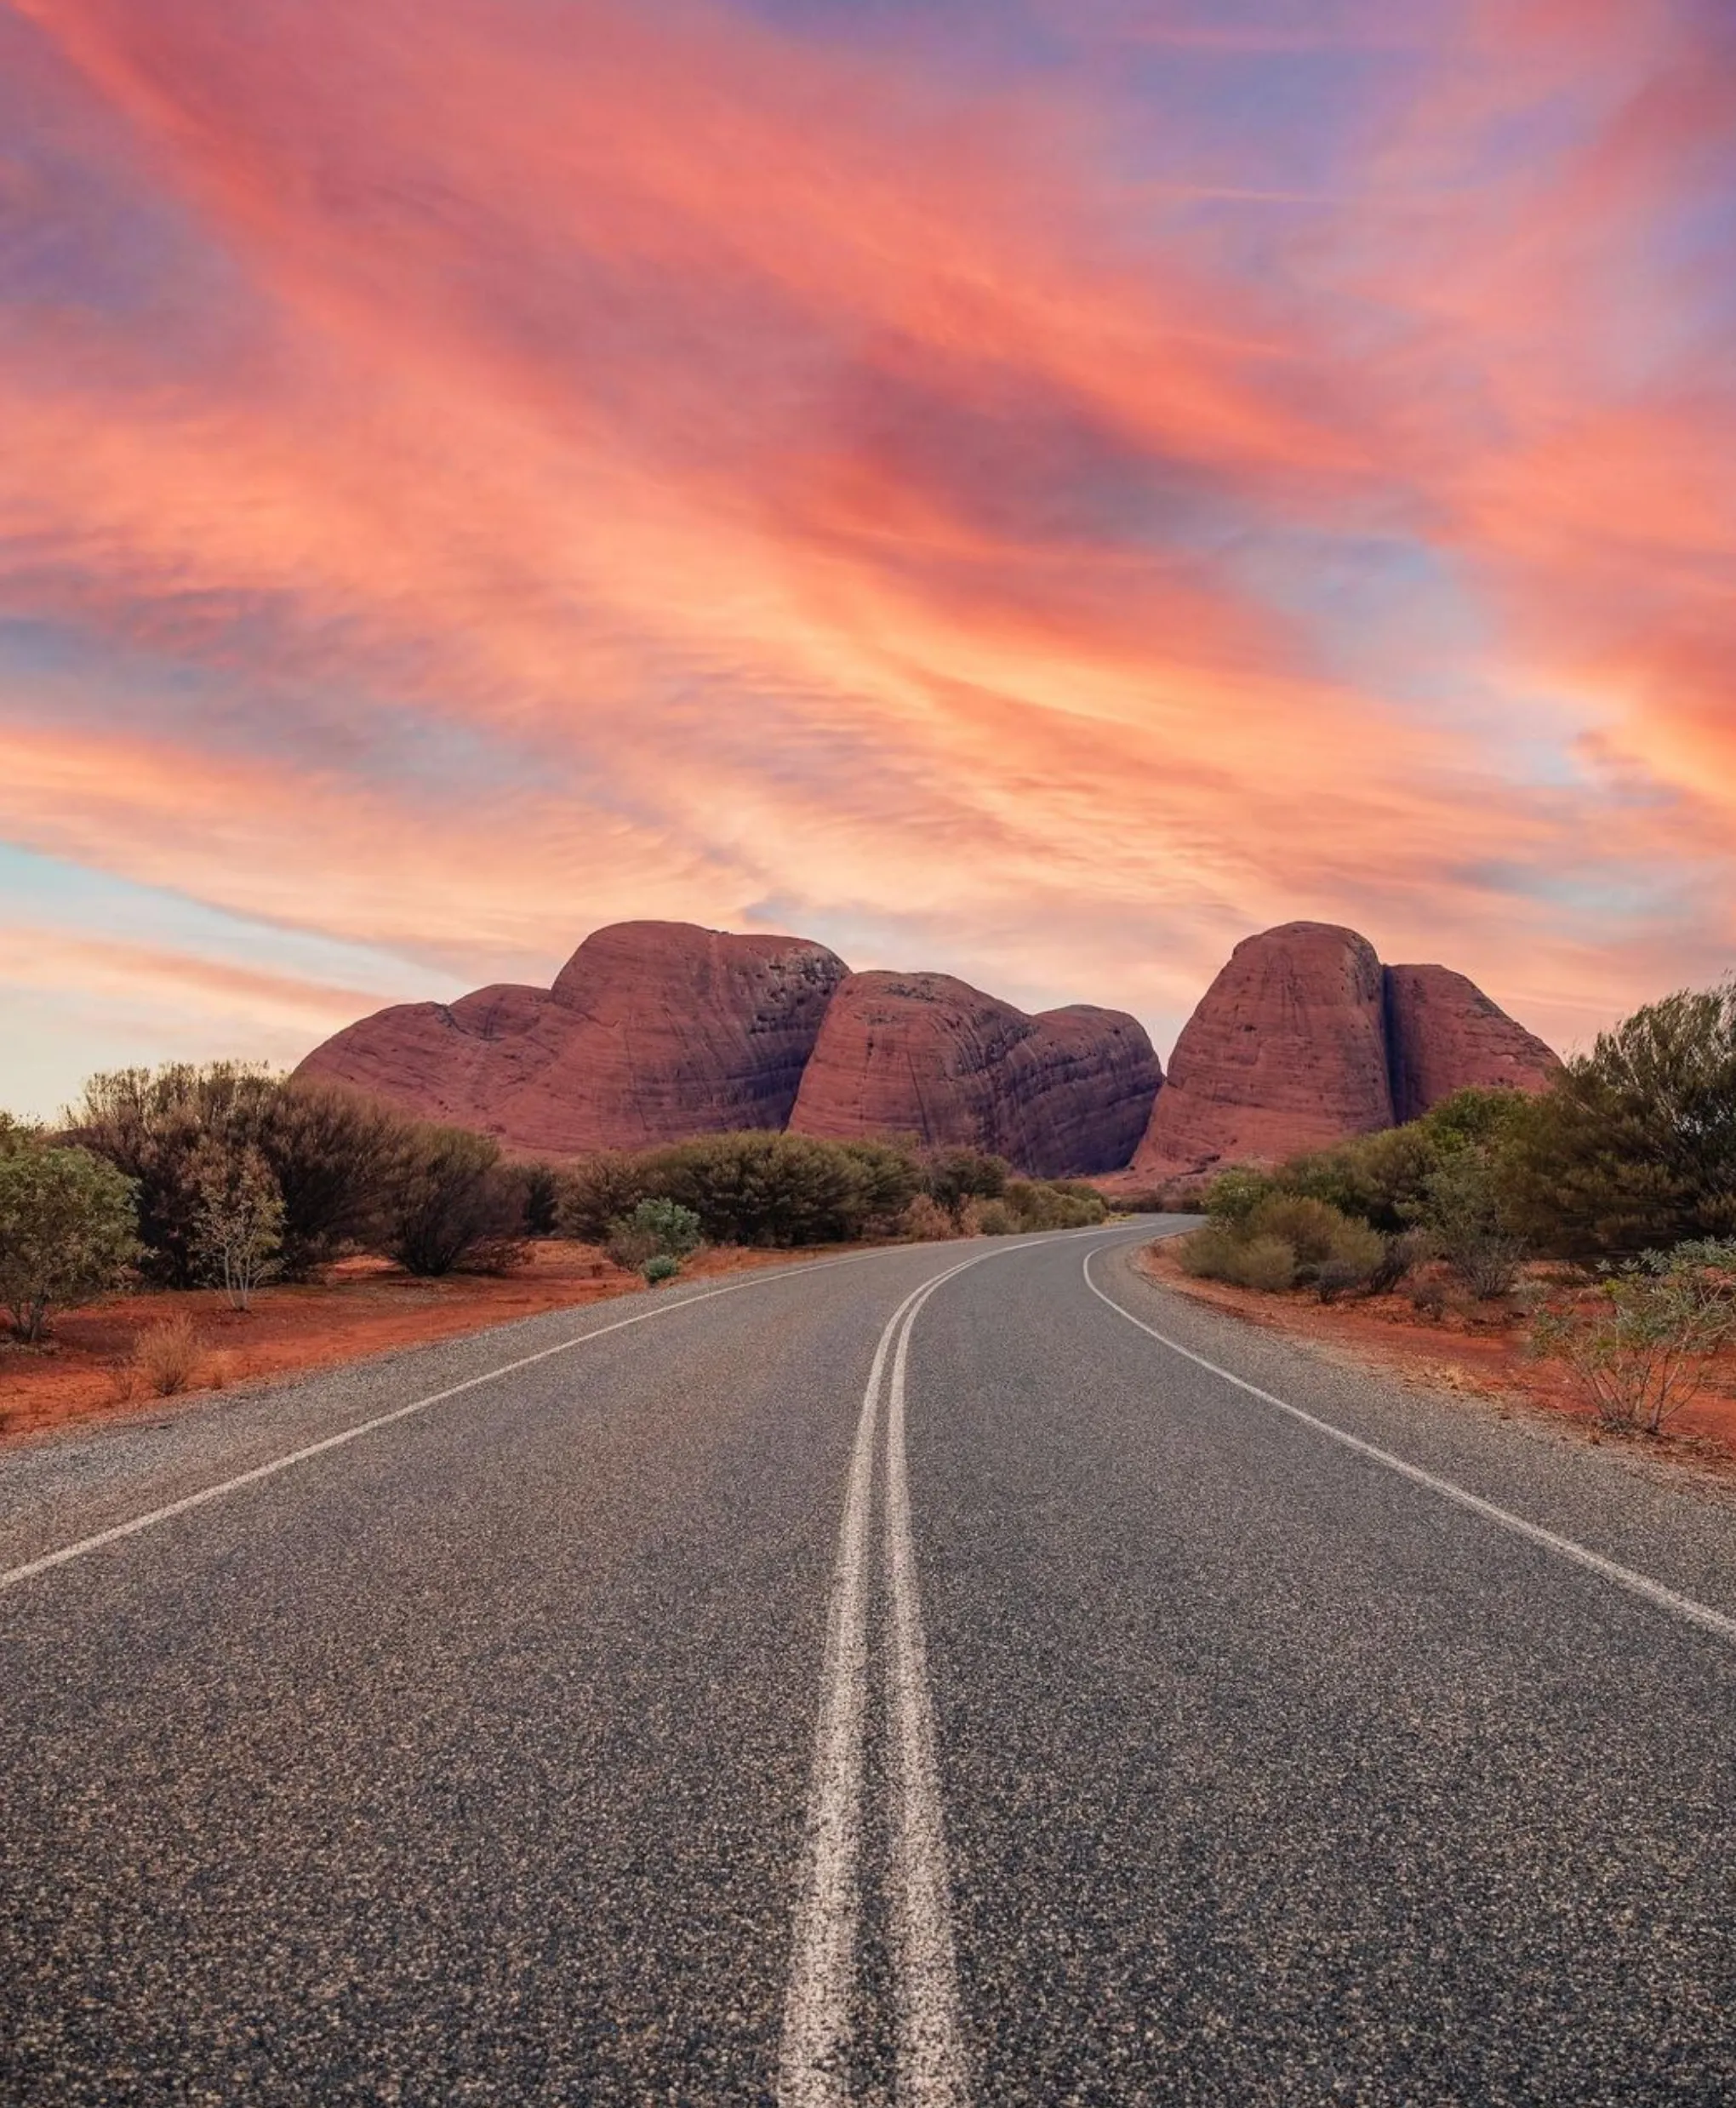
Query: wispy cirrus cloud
675	459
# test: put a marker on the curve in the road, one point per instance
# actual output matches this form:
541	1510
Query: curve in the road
1666	1599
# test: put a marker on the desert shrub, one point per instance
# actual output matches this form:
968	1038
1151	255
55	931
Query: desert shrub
951	1177
1151	1200
1309	1227
630	1250
539	1189
1633	1147
656	1229
1377	1178
1265	1263
1640	1353
887	1179
1207	1253
1462	1214
990	1218
925	1220
1357	1254
167	1356
331	1152
328	1150
759	1187
1429	1299
238	1222
595	1193
1221	1253
1472	1118
660	1267
446	1207
1232	1197
1055	1204
1401	1254
16	1133
68	1229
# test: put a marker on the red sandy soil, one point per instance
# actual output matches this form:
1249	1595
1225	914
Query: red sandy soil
363	1306
1477	1349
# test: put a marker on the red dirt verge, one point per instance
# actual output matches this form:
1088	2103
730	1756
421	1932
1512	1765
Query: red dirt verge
363	1306
1477	1350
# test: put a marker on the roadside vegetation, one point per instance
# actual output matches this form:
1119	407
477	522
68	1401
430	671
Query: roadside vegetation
227	1189
1596	1222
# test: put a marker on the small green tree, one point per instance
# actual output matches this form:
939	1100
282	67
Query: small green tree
953	1176
1462	1212
1633	1147
238	1225
68	1229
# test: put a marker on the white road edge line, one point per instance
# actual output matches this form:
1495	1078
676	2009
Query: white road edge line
1654	1593
931	2063
134	1525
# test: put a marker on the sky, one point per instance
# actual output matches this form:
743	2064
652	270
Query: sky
1037	489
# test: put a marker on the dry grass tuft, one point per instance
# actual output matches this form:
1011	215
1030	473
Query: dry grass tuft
167	1356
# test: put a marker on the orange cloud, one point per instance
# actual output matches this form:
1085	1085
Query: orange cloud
790	493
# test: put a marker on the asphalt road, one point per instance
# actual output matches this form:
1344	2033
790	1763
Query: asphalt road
870	1682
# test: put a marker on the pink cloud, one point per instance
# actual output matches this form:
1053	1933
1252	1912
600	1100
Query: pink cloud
827	498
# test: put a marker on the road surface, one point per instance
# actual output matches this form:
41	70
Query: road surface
959	1673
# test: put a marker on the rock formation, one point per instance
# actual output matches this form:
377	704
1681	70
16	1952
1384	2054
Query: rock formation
656	1030
923	1054
1306	1038
1444	1035
1287	1051
653	1030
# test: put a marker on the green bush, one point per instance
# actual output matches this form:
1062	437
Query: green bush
540	1190
1219	1252
1265	1263
660	1267
1232	1197
327	1149
991	1219
1399	1257
68	1228
887	1179
1641	1353
762	1188
1462	1214
1207	1253
1634	1146
1356	1255
656	1230
951	1177
446	1208
595	1193
1055	1204
1310	1227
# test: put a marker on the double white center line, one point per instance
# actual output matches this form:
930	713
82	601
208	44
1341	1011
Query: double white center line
814	2071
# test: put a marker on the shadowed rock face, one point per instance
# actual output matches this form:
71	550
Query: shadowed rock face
1286	1051
923	1054
653	1030
1306	1038
1445	1034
